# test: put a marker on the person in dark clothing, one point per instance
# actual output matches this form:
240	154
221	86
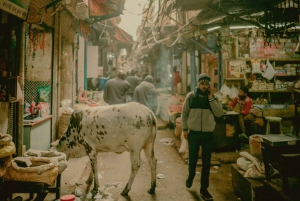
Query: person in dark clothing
115	89
199	110
146	94
134	81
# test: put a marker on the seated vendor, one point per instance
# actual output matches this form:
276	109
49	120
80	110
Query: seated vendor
244	106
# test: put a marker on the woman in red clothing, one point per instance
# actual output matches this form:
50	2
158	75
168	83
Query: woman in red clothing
176	80
244	106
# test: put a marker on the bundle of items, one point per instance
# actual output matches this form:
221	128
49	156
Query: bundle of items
252	166
7	148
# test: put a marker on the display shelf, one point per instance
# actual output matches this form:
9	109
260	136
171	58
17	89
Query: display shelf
297	116
8	89
8	62
282	83
270	59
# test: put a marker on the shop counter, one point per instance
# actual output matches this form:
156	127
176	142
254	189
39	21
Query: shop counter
283	153
226	132
37	133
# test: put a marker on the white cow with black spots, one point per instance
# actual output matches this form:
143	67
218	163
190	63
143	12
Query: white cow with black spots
116	128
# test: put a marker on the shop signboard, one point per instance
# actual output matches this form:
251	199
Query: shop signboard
18	8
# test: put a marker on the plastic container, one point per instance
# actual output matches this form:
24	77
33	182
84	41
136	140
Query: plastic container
68	198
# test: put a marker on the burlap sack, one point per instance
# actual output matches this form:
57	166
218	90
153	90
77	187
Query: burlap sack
6	150
60	156
43	170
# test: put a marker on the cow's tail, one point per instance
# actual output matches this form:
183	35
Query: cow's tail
149	152
153	127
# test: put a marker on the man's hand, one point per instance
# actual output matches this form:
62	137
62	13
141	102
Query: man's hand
212	92
185	134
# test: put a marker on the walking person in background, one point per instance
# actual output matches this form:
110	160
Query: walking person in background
146	94
134	81
176	80
115	89
242	104
199	110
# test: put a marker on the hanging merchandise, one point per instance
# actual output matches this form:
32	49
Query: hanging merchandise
269	72
44	92
13	39
236	69
255	66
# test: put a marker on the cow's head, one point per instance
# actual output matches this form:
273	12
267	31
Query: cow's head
69	142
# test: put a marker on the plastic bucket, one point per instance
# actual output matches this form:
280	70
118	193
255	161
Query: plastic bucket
68	198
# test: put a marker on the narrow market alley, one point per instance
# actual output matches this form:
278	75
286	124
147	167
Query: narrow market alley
114	171
79	77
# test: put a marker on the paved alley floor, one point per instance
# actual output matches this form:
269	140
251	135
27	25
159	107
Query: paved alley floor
114	170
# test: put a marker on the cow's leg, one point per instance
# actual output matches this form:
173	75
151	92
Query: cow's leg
149	153
135	165
93	160
91	178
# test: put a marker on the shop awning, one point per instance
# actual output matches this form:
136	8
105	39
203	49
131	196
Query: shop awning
122	36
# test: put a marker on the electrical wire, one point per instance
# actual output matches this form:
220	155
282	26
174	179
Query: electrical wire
103	29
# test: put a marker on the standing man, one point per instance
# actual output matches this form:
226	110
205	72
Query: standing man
115	89
134	81
244	106
146	94
199	110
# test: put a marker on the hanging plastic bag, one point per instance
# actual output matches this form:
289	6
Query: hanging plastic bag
233	92
269	72
225	90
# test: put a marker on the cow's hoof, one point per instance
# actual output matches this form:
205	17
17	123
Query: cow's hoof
151	191
94	192
89	181
124	193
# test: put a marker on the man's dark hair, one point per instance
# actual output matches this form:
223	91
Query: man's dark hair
245	89
132	72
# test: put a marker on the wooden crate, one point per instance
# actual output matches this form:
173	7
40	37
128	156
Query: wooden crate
248	189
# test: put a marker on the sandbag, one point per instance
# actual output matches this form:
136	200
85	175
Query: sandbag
4	164
43	170
5	139
243	163
60	156
255	145
7	150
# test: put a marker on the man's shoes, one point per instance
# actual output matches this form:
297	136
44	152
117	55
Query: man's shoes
189	183
243	136
205	195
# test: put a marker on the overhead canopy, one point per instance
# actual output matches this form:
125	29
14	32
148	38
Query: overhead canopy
122	36
105	9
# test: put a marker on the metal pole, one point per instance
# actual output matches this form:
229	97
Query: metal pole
193	68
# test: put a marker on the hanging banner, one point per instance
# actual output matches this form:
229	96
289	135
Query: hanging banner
105	9
18	8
